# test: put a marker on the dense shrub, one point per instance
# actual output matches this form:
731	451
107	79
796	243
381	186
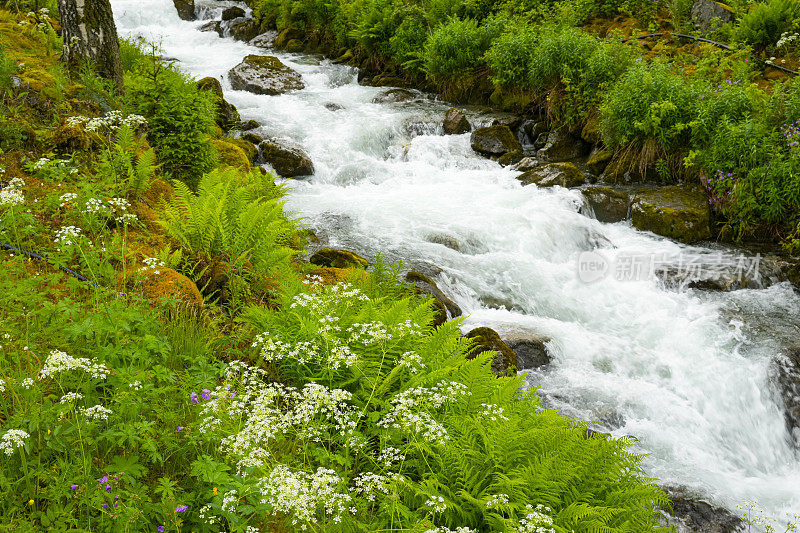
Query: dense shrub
651	103
455	48
180	116
408	41
510	55
764	24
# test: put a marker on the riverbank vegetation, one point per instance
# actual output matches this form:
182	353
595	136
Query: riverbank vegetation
168	364
671	109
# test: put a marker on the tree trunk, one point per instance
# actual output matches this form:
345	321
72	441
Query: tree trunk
89	33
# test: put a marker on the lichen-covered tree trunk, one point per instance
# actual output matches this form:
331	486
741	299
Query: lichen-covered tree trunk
89	33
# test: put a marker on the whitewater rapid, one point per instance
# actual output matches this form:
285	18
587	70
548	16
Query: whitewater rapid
684	371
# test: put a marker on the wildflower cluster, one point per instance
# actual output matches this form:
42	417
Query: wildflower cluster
408	412
791	134
67	235
52	167
436	504
337	355
719	187
58	362
152	264
11	194
492	412
307	497
537	520
497	501
112	121
96	412
13	439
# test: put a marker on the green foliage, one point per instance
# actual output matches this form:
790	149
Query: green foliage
7	70
763	25
237	217
651	103
455	49
130	166
180	116
510	56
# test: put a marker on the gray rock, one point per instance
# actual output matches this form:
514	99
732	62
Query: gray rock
561	146
264	75
214	25
526	164
288	159
393	96
692	513
185	9
788	373
455	122
494	141
540	140
232	13
679	212
551	174
608	205
330	106
445	240
487	339
336	258
704	13
227	114
245	30
531	353
264	40
249	125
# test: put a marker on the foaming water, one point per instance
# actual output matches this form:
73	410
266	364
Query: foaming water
686	372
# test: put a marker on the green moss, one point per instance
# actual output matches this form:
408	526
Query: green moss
231	154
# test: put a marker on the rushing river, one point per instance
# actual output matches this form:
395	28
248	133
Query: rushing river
687	372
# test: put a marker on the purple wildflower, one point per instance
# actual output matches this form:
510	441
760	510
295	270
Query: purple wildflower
104	479
181	509
206	394
74	487
105	506
180	428
161	529
108	488
193	396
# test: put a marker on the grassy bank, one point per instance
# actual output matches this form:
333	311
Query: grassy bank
670	109
203	379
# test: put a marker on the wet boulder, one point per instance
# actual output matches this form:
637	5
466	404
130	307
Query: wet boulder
264	75
494	141
551	174
331	106
510	158
336	258
287	35
288	159
455	122
679	212
526	164
213	26
227	114
598	161
488	340
245	30
230	153
708	14
691	512
394	96
264	40
447	308
249	125
607	204
531	353
788	374
232	13
252	138
185	9
561	146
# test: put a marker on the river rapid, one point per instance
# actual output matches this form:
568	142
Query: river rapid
687	372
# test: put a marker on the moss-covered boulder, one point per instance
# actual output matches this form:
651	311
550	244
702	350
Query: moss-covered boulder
599	160
162	282
264	40
511	158
250	150
245	30
447	308
249	125
253	138
333	275
233	12
229	153
551	174
334	257
494	141
525	164
295	46
680	212
285	36
227	115
561	146
488	340
264	75
607	204
708	14
288	159
185	9
455	122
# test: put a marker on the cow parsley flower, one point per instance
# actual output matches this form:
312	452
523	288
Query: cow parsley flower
13	439
59	361
70	397
67	235
96	412
27	383
496	501
436	503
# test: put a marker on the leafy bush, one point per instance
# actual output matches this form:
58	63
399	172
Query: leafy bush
408	41
650	103
764	24
130	165
180	116
455	49
510	56
7	70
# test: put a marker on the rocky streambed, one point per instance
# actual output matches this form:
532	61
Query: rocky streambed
503	219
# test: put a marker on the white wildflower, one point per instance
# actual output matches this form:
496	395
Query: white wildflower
496	501
436	503
13	439
96	412
67	235
59	361
27	383
70	397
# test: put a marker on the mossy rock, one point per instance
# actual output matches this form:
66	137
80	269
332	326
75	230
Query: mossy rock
286	36
494	140
512	101
488	340
531	353
227	114
71	139
231	154
591	130
345	57
249	148
295	46
511	158
288	159
444	305
608	205
679	212
185	9
455	122
621	171
253	138
599	160
233	12
394	96
245	30
333	275
249	125
334	257
264	75
164	282
564	174
561	146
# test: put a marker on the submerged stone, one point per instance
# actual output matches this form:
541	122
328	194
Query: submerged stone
564	174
